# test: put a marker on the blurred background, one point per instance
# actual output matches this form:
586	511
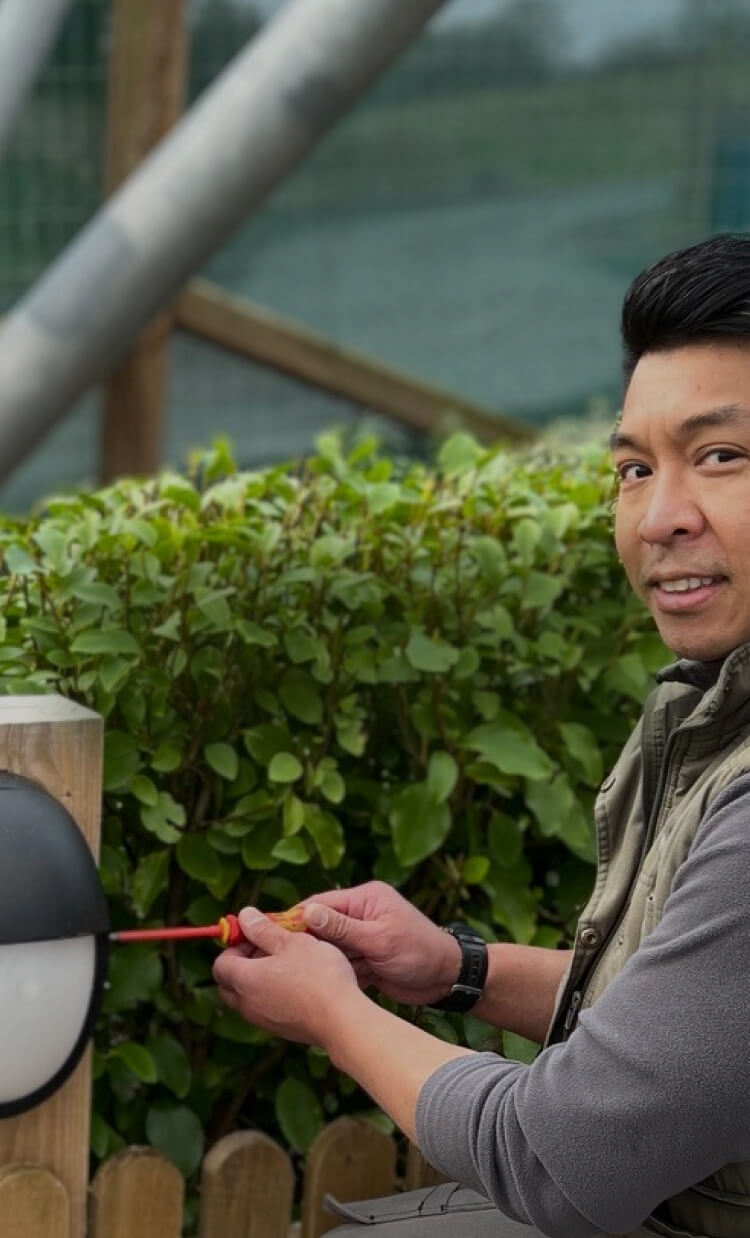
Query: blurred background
473	222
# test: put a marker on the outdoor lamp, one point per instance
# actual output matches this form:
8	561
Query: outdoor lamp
54	927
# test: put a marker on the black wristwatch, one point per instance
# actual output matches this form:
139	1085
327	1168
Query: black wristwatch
469	986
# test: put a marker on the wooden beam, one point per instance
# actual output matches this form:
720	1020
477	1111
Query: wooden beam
243	327
147	77
58	745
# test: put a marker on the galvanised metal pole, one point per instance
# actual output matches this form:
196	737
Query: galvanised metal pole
28	28
251	127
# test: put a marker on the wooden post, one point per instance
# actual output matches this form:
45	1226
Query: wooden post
247	1187
147	77
228	321
137	1193
58	745
350	1159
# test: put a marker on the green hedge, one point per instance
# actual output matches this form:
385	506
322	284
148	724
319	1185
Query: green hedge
309	678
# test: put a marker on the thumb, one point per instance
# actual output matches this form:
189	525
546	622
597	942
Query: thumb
262	932
333	926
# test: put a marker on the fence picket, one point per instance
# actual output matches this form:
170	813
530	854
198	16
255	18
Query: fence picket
32	1201
420	1172
247	1187
137	1193
350	1159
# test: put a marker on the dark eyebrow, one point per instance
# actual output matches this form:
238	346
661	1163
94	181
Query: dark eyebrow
722	415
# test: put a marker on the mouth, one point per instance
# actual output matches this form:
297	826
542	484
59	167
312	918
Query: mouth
681	593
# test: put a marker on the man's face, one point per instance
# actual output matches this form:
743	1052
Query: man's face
682	525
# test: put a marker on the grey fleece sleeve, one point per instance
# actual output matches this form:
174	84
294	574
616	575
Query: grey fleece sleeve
651	1092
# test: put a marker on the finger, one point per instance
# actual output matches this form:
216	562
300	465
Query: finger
245	950
229	997
343	931
350	900
230	971
262	932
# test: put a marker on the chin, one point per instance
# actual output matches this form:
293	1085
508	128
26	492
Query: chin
701	649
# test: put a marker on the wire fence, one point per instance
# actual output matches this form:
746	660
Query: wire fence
473	221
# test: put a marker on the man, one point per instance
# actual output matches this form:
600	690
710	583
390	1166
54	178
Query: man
635	1119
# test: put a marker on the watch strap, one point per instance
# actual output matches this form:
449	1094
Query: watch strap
469	984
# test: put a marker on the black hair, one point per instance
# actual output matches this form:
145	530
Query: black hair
693	296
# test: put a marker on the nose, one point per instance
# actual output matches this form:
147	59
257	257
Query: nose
671	512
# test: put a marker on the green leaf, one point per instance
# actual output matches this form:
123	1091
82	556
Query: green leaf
197	858
541	590
438	1025
19	562
263	742
121	760
284	767
511	748
583	748
300	646
144	790
526	536
106	640
482	1037
514	905
519	1049
166	758
628	676
172	1065
137	1059
293	815
253	634
112	672
426	654
442	775
163	817
98	592
458	453
300	696
505	840
551	803
177	1132
327	834
332	786
104	1140
292	850
258	845
351	737
475	869
298	1113
149	879
134	976
419	824
223	760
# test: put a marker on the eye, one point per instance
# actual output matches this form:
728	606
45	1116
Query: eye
720	455
632	470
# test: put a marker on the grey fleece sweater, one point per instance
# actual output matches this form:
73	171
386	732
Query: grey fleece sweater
651	1092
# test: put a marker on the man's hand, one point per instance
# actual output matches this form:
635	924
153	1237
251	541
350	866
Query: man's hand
390	944
290	984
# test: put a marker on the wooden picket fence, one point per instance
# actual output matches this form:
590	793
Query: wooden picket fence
247	1188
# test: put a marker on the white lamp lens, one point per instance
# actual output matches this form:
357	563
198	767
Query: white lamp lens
45	992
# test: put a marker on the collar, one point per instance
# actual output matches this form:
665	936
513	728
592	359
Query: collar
724	683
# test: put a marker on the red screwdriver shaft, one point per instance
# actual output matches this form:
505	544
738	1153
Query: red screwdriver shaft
227	932
166	934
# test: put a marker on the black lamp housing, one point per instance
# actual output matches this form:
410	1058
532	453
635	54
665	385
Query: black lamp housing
49	890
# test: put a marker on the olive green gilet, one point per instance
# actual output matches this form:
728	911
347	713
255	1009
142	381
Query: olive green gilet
693	739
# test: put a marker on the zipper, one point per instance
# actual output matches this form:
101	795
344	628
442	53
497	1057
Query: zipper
572	1011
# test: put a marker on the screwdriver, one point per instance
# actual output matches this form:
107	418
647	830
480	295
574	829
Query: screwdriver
226	932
